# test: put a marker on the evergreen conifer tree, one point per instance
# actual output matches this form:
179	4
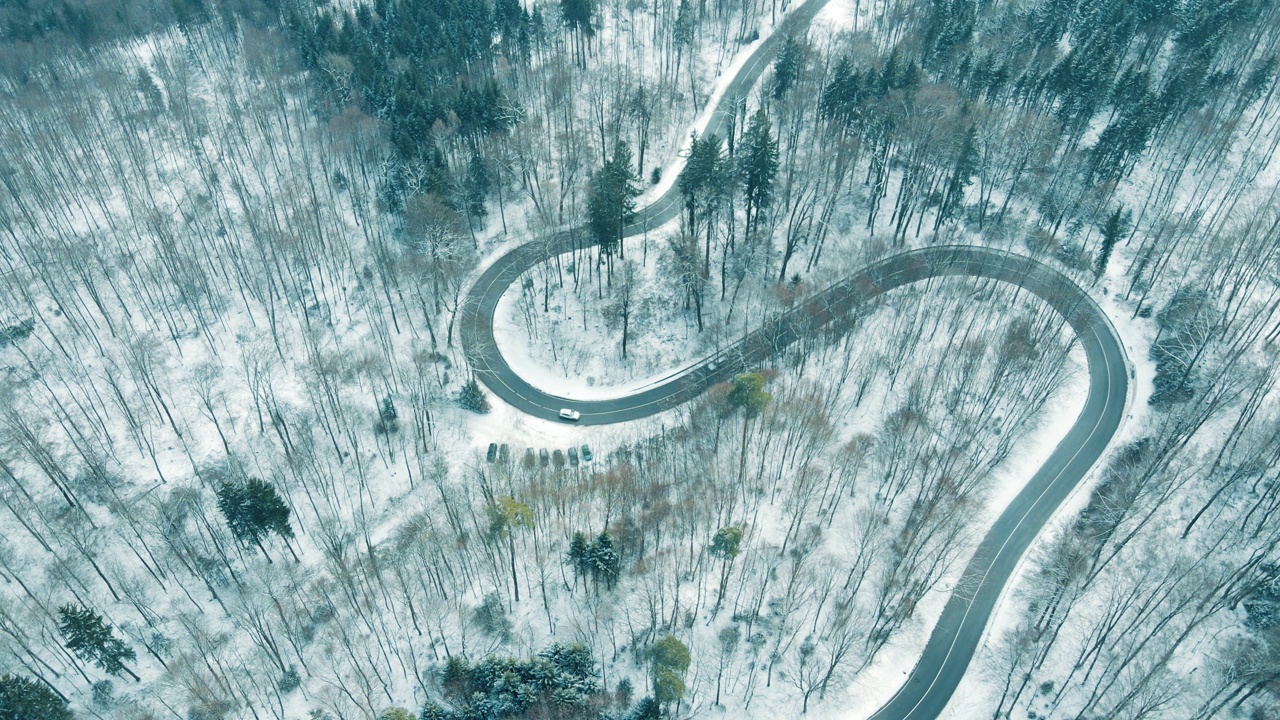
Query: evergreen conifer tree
472	398
606	564
388	418
612	203
254	511
1113	229
786	68
478	183
686	25
840	97
949	23
577	16
961	175
22	698
92	640
704	184
758	166
748	394
579	554
647	709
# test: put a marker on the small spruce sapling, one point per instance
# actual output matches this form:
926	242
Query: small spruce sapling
622	695
388	422
472	398
492	618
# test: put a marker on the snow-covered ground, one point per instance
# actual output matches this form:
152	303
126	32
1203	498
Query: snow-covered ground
355	495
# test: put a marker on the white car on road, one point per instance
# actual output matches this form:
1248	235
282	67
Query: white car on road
567	414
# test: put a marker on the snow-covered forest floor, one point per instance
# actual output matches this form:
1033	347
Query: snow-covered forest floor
219	261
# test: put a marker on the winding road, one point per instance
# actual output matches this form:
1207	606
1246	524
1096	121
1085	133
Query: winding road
959	630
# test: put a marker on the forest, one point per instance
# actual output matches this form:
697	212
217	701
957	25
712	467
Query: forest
248	468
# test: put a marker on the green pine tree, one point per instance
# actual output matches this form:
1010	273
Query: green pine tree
950	23
758	166
388	418
694	177
726	543
22	698
1116	227
748	394
961	176
578	556
477	187
606	564
612	204
704	183
92	640
472	398
254	511
432	711
840	97
577	15
686	26
787	67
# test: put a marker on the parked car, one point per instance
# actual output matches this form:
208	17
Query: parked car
573	456
572	415
529	458
586	454
492	453
557	458
504	453
543	457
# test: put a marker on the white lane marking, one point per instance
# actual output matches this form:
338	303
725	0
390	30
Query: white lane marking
665	203
973	266
1009	536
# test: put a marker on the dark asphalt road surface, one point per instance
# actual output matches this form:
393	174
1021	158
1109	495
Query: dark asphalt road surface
956	636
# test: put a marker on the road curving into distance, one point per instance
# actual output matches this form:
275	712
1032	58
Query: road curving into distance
959	629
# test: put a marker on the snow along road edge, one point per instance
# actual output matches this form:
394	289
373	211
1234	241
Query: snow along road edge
959	630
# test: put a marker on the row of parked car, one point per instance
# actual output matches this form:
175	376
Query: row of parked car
574	456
